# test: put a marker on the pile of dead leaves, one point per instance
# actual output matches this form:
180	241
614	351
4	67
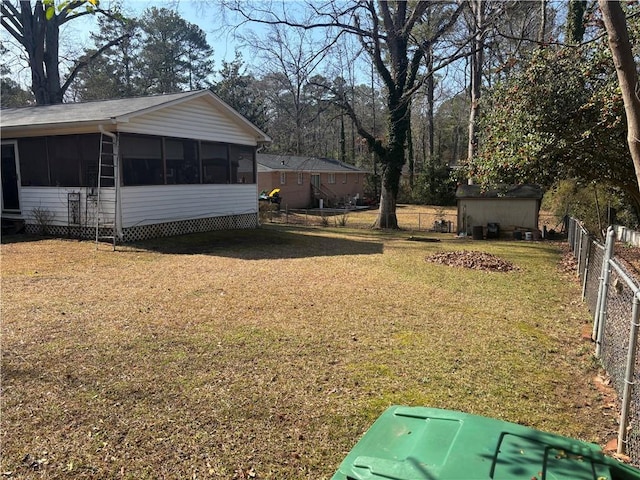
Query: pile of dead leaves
472	259
630	256
568	262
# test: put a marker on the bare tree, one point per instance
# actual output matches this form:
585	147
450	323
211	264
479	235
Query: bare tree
36	27
620	46
543	21
290	59
479	30
388	33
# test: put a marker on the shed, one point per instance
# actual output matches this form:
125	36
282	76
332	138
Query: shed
131	168
512	207
304	181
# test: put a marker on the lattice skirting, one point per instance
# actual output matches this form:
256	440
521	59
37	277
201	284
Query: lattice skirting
144	232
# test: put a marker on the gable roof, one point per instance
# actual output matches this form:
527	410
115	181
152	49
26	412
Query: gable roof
500	191
271	163
108	112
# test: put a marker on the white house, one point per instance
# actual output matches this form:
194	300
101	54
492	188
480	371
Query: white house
131	168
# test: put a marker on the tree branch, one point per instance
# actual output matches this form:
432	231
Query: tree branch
87	60
9	28
340	100
11	14
106	13
416	15
375	53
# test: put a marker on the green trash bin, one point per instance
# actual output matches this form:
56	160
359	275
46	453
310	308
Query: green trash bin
419	443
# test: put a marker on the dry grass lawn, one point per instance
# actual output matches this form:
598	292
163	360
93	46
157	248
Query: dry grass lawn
266	354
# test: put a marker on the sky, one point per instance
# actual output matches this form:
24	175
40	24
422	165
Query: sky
208	18
203	13
199	12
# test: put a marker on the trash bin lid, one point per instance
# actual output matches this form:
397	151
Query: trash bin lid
434	444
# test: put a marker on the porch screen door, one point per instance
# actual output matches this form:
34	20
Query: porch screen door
9	174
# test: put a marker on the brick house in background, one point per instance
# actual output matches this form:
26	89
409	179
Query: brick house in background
304	181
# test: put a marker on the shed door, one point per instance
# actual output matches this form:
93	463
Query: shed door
9	174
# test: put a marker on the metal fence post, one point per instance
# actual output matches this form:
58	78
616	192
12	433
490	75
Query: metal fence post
629	373
586	270
604	291
579	256
596	315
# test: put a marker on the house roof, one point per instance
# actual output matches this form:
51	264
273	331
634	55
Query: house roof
272	163
106	111
500	191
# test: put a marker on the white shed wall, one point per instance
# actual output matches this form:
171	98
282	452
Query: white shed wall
147	205
192	119
509	213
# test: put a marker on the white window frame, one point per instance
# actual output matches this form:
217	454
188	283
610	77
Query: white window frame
300	178
283	178
332	178
344	179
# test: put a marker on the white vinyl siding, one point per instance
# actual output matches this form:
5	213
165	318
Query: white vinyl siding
147	205
55	201
196	119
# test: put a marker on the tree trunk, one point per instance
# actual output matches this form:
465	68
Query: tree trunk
27	23
575	27
343	140
477	58
51	61
620	46
393	162
430	123
410	159
430	106
40	39
387	217
543	21
32	40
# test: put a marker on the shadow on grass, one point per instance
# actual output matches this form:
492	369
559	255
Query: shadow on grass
259	244
21	238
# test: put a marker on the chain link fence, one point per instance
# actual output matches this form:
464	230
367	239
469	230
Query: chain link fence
424	219
613	296
429	219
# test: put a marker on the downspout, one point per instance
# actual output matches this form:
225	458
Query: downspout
259	147
116	182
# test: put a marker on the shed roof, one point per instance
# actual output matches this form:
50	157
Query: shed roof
270	163
500	191
106	111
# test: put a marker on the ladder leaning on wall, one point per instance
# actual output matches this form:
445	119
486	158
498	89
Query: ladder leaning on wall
107	190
